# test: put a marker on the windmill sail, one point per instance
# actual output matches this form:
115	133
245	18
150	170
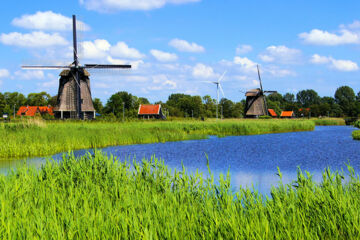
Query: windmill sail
256	101
74	95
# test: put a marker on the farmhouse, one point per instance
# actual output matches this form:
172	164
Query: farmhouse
147	111
287	114
31	111
272	113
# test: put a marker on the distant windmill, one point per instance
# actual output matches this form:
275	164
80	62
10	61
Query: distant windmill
74	95
218	87
256	101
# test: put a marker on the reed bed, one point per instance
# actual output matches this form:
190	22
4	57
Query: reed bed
39	138
329	121
97	197
356	135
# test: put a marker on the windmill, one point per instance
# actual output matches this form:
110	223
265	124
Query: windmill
218	87
74	94
256	101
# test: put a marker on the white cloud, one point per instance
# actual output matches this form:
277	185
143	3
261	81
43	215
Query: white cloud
319	37
4	73
95	50
163	56
116	5
337	64
246	65
317	59
134	64
29	75
243	49
48	21
121	49
185	46
281	54
33	40
353	25
279	73
161	82
202	71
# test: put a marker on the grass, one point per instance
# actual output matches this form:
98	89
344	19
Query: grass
328	121
96	197
39	138
356	133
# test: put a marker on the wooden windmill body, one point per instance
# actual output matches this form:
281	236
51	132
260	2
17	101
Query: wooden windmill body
74	95
256	101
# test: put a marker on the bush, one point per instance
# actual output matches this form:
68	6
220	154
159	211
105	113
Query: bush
265	117
357	124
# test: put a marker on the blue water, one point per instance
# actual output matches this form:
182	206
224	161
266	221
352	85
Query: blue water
251	160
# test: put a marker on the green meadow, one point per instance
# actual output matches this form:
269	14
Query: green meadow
35	137
97	197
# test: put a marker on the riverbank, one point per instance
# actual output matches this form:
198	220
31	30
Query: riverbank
39	138
329	121
95	197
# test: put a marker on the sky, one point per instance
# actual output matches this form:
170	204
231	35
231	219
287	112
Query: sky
180	46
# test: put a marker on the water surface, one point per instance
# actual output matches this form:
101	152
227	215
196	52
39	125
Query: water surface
251	160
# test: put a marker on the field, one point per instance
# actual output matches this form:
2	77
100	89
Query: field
35	137
95	197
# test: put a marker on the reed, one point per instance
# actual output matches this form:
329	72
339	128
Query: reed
39	138
329	121
97	197
356	135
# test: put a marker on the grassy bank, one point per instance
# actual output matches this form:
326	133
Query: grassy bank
39	138
95	197
328	121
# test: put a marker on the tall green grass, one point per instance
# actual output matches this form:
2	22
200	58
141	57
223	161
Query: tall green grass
356	135
328	121
39	138
96	197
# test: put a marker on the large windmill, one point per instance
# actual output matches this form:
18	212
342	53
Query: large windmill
74	95
256	101
218	88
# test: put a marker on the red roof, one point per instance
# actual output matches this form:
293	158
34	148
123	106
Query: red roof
304	109
287	113
32	110
272	112
149	109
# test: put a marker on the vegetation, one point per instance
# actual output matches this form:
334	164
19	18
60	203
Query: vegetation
96	197
356	135
328	121
35	137
306	103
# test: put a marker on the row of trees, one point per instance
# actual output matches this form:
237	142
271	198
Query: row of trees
344	103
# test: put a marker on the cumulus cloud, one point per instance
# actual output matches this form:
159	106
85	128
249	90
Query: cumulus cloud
134	64
122	50
161	82
95	50
4	73
320	37
163	56
48	21
281	54
29	75
246	65
33	40
337	64
118	5
243	49
185	46
203	71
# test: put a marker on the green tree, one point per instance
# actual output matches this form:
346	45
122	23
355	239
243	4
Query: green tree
345	97
98	105
289	97
308	97
38	99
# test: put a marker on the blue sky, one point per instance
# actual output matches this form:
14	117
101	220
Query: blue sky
179	45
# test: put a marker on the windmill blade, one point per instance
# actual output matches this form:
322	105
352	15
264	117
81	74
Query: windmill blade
45	67
222	76
270	91
106	66
261	88
221	89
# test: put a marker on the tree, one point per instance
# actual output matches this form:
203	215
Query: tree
38	99
308	97
115	103
98	105
289	97
345	97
